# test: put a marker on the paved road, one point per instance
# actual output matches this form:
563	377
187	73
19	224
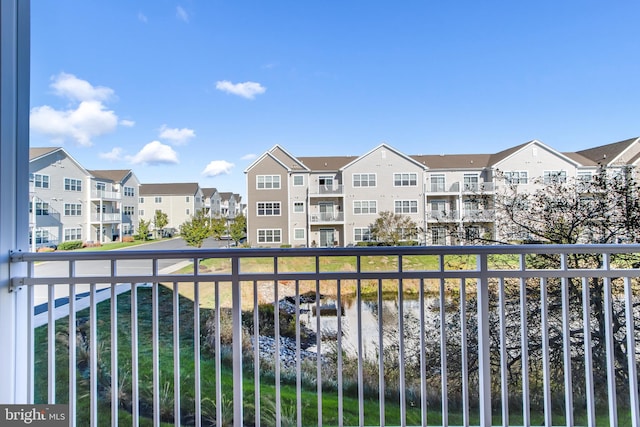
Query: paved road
133	267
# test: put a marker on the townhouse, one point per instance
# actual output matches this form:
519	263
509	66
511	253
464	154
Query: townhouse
180	201
69	202
332	201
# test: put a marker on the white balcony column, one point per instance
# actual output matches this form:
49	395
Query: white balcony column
14	196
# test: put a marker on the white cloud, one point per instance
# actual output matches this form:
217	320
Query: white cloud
246	90
154	153
182	14
113	155
69	86
250	156
175	135
127	123
218	167
87	121
142	17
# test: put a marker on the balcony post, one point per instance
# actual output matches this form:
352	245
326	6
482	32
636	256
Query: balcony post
14	197
484	342
237	342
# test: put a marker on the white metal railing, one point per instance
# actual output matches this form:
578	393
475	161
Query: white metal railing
104	194
444	215
503	334
106	217
326	217
321	190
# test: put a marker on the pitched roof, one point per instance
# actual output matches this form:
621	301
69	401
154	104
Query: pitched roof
36	152
331	163
608	151
226	195
454	161
169	189
115	175
209	191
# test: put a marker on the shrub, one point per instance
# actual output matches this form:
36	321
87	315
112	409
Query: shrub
285	246
70	245
91	244
127	239
45	249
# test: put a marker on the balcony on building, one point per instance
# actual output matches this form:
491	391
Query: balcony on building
326	190
105	195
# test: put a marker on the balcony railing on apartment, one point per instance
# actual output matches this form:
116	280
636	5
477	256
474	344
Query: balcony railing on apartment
476	215
106	195
106	217
445	216
507	335
326	190
326	217
468	187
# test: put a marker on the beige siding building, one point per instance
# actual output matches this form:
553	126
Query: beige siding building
332	201
180	201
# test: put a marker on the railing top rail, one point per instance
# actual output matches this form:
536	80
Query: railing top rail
313	252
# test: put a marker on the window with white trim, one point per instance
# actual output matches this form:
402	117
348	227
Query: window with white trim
42	236
555	177
439	236
71	184
187	212
72	209
363	207
39	180
405	179
141	212
141	200
158	199
437	183
298	180
268	182
268	208
516	177
129	191
584	176
186	199
362	234
298	233
42	208
128	210
364	179
72	234
269	235
101	186
405	206
298	207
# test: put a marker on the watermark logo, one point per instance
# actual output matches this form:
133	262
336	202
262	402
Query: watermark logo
34	415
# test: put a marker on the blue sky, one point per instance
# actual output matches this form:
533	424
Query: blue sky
192	91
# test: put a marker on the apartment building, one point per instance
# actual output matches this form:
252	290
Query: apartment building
332	201
212	202
180	201
69	202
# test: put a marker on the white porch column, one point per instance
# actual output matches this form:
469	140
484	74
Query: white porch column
14	195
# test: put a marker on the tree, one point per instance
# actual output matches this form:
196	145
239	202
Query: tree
196	230
160	220
238	228
391	228
143	229
218	228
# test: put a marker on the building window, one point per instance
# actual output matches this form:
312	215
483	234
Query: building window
472	233
39	181
584	176
516	177
437	183
42	208
298	180
187	212
72	234
298	207
141	200
187	199
158	199
268	182
268	208
141	212
42	236
362	207
269	235
439	236
71	184
72	209
405	179
364	179
405	206
100	186
128	210
129	191
362	234
555	177
298	233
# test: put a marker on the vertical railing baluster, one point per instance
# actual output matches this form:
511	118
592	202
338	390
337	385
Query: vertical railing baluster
276	355
608	319
588	353
381	382
546	374
524	345
135	387
566	342
155	338
236	297
51	344
197	380
484	343
339	349
423	358
504	378
93	356
73	361
176	355
298	360
443	348
31	338
256	353
631	354
318	347
401	351
360	346
218	356
115	376
465	353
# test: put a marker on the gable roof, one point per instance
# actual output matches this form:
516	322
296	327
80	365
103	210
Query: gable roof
331	163
386	147
209	191
262	157
37	152
454	161
608	153
171	189
115	175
